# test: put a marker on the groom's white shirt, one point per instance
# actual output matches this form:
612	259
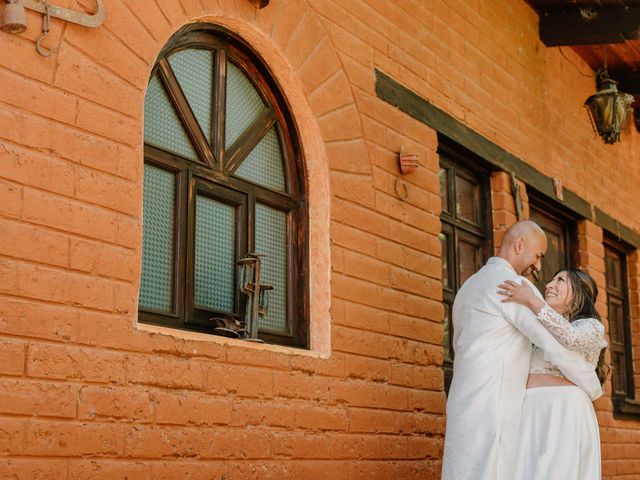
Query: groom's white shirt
492	344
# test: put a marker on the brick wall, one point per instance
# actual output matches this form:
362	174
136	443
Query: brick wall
88	393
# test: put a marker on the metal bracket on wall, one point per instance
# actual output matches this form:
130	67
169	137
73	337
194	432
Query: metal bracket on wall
84	19
14	20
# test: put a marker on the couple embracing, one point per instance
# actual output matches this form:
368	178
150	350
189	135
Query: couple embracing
518	411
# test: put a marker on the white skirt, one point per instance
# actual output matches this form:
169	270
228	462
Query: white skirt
559	437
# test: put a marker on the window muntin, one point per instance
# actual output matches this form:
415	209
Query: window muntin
463	236
217	126
618	314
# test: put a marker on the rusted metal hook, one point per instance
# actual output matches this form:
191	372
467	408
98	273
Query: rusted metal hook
46	26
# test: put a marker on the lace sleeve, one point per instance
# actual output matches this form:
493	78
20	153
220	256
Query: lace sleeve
579	335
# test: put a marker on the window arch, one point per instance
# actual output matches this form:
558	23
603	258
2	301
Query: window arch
223	178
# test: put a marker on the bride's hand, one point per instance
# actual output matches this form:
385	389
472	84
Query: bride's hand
515	292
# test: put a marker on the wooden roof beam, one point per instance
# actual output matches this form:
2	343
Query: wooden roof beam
628	82
582	26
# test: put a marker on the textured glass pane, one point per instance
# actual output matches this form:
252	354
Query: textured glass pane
616	320
447	340
619	373
470	258
244	103
271	240
264	165
613	270
156	285
162	128
444	257
193	69
467	200
215	255
444	189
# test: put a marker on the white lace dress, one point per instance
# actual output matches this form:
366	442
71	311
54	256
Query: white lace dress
559	436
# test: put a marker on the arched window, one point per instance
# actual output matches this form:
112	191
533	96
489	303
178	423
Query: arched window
222	179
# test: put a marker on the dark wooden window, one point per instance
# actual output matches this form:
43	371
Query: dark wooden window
222	178
561	240
618	314
465	222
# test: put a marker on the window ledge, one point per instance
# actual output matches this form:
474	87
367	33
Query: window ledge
626	408
206	337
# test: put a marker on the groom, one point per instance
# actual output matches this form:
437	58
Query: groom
492	344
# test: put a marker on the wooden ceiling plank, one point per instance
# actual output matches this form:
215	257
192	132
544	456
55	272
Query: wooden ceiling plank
610	25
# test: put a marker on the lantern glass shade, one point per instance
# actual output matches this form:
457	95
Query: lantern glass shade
608	109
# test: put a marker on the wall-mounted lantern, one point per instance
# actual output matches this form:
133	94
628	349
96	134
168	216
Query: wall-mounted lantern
608	108
14	19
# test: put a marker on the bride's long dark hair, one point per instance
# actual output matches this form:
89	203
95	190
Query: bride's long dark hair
583	305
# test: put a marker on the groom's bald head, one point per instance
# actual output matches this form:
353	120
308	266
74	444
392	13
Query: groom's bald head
523	246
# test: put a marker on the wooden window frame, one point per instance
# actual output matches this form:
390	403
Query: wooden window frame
568	221
212	175
624	405
451	154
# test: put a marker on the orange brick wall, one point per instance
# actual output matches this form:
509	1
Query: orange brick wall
88	393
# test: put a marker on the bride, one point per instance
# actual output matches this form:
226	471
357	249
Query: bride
559	436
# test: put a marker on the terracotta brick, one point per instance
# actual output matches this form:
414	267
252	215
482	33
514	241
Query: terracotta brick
194	470
128	28
292	15
103	259
24	397
317	469
301	385
45	321
66	362
246	443
10	199
186	408
341	124
372	420
39	170
352	187
301	445
29	469
263	413
53	247
95	83
106	190
157	442
333	94
115	403
100	46
305	36
162	371
108	470
321	418
12	356
103	121
319	66
68	215
367	368
261	469
365	267
37	98
73	439
64	287
61	140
